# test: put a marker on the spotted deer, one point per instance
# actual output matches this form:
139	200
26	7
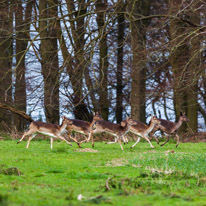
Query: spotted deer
169	128
117	130
83	127
48	129
142	130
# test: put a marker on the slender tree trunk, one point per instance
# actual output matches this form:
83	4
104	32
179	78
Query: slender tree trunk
101	8
136	10
49	54
120	41
179	55
6	52
194	71
22	25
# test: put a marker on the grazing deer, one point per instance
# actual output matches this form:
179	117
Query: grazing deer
83	127
51	130
170	128
117	130
142	130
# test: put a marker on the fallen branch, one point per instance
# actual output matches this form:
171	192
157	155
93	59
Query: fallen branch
107	184
16	111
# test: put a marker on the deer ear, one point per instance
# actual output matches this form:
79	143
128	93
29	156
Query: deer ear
122	123
181	114
63	117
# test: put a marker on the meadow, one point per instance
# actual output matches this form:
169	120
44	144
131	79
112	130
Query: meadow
103	176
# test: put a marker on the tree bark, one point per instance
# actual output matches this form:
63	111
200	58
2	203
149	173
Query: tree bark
6	52
185	62
101	8
120	42
22	26
48	14
136	10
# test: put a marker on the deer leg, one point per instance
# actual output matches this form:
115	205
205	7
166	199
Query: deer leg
167	140
92	139
120	143
90	136
156	139
75	140
115	141
178	140
51	139
151	135
62	138
30	138
138	139
146	138
29	132
125	139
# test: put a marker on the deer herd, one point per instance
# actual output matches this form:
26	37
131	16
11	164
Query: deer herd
98	125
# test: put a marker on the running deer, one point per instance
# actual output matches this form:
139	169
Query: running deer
142	130
83	127
49	129
117	130
170	128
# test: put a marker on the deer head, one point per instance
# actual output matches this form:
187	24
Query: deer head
183	117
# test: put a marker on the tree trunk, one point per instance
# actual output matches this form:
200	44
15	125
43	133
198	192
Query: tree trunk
136	10
103	55
120	42
6	52
185	61
194	71
49	58
22	36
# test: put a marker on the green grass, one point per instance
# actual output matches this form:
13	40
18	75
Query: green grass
139	176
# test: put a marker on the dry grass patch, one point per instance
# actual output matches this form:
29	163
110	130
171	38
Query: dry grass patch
117	162
86	150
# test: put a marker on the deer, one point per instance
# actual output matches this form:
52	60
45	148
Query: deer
117	130
83	127
170	128
48	129
142	130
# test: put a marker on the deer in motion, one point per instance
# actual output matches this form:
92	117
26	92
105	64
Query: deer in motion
83	127
142	130
117	130
48	129
170	128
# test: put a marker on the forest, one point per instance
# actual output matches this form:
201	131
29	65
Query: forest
118	57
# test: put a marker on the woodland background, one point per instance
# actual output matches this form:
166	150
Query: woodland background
118	57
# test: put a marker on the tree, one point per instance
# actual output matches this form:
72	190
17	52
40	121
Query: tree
75	61
120	53
6	52
22	28
48	14
101	9
185	58
137	11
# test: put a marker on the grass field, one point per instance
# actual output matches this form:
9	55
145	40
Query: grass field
138	176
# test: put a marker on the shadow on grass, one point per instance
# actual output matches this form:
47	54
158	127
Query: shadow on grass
3	200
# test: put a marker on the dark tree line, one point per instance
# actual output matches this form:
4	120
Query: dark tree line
116	57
